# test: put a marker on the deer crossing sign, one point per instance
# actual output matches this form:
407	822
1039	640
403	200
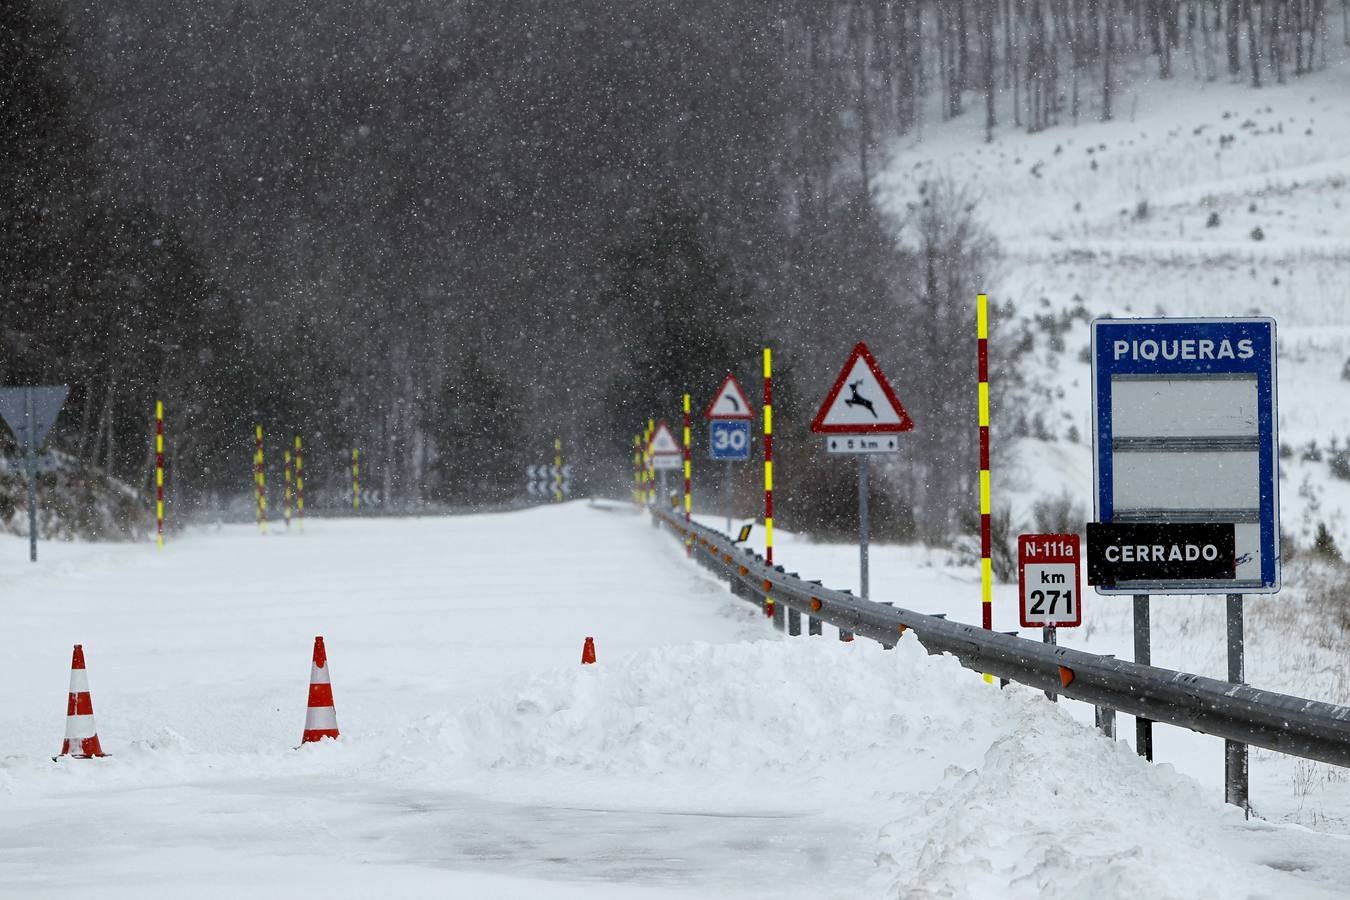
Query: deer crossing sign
861	413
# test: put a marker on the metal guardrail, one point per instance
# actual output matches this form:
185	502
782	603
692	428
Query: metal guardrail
1310	729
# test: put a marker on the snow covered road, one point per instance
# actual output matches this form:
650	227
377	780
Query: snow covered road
703	756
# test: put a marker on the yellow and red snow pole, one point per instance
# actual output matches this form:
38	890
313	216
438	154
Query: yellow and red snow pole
986	529
648	472
557	471
159	473
299	483
356	479
768	470
688	485
287	496
637	469
260	478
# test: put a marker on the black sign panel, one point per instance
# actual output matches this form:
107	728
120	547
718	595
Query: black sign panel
1151	551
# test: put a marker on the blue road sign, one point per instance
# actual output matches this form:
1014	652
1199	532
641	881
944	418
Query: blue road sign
1185	433
729	439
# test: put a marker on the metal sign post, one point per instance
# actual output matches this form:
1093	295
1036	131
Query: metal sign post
729	416
1049	638
30	463
30	413
1234	753
1186	466
727	496
1143	655
863	524
1048	583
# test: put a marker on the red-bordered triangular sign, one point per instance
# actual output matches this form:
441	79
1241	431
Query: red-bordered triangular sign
663	440
729	402
861	401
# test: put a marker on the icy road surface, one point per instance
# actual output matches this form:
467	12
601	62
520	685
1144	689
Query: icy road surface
704	756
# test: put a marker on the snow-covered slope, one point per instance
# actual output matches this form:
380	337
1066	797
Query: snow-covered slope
1201	199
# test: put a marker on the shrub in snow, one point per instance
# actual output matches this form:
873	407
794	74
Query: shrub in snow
1058	515
1339	463
1324	545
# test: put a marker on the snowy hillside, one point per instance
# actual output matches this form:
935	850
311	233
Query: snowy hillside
1202	199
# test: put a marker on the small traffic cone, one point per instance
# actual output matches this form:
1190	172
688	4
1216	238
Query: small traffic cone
588	652
81	736
320	716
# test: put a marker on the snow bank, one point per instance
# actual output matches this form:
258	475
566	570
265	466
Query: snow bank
722	707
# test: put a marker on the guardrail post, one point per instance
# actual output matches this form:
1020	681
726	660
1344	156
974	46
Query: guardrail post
779	610
1002	682
1106	721
1143	655
846	636
1235	753
794	616
884	645
1105	716
813	625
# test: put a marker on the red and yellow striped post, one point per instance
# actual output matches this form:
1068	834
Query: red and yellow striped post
260	478
637	469
299	483
768	470
159	473
649	471
688	484
287	495
356	479
557	471
986	531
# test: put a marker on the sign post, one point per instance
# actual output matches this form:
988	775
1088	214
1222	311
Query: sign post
1186	466
666	455
729	416
1049	580
862	421
30	413
769	606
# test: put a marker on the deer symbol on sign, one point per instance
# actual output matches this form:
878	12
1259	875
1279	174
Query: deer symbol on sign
856	399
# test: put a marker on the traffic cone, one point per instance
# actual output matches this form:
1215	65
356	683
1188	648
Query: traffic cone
588	652
320	716
81	736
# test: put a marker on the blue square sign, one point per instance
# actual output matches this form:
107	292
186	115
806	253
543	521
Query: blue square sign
729	439
1185	434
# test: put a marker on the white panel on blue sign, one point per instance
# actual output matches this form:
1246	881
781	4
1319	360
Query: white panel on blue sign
1185	432
729	439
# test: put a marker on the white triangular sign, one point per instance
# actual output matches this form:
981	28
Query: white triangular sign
663	441
730	402
861	400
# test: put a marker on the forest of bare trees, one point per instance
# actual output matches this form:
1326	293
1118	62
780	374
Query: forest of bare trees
448	232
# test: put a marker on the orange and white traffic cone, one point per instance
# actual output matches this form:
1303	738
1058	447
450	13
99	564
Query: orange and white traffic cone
81	736
588	652
320	717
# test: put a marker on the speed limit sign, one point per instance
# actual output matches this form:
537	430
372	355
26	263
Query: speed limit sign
729	439
1048	580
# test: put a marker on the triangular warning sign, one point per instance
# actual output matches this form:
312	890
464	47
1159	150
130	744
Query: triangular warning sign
663	441
861	400
729	402
31	411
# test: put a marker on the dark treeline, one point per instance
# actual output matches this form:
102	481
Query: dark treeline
446	233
